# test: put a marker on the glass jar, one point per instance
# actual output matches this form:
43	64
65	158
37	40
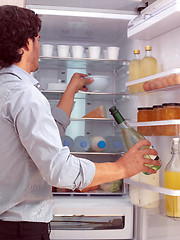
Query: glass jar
171	111
157	116
144	115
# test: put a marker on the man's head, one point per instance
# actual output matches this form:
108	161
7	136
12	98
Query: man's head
18	27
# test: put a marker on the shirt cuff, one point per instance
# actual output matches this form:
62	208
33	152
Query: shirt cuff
61	119
87	172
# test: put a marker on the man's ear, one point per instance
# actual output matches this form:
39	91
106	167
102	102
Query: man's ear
26	47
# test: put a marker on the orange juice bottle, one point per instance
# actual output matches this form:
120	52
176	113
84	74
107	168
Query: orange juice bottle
172	180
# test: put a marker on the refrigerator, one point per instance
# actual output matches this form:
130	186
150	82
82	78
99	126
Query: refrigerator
104	213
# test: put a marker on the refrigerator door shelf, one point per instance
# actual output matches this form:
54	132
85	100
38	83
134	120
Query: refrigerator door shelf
167	80
160	17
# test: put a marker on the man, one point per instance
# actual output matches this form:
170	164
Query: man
32	158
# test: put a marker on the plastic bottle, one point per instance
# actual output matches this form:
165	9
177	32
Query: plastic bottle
131	136
172	180
113	144
67	141
98	143
148	65
81	144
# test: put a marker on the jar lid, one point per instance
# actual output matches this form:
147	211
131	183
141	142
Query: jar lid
145	108
157	106
170	104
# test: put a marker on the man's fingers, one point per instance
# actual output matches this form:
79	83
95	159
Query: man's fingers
152	162
148	151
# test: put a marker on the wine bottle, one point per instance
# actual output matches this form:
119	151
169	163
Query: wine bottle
131	136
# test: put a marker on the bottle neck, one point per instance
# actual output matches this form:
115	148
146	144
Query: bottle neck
148	53
116	114
136	56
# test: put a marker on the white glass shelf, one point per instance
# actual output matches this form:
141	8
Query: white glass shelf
85	95
96	153
157	189
92	119
82	63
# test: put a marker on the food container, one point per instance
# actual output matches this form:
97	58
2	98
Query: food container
77	51
171	111
144	115
99	83
157	116
94	52
113	53
47	50
63	51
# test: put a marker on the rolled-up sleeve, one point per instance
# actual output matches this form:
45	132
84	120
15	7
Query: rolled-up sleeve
31	113
61	118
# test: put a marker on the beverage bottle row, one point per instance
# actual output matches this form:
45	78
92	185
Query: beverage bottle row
140	68
95	144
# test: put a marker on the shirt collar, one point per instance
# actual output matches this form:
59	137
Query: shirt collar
21	74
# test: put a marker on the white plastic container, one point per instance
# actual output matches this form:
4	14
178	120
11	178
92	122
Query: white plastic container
81	144
47	50
63	51
98	143
77	51
67	141
113	144
94	52
113	53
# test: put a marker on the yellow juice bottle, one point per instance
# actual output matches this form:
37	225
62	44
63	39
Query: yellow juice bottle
172	180
148	64
134	71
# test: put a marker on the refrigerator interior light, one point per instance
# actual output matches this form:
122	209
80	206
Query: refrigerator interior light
82	12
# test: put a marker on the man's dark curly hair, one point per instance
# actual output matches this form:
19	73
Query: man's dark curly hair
17	25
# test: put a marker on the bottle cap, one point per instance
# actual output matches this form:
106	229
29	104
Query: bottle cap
101	144
148	48
83	144
66	143
117	145
136	51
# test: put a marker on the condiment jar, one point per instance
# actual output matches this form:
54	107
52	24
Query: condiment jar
144	115
157	116
171	111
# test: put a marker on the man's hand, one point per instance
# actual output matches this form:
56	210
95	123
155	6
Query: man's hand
78	82
134	160
130	164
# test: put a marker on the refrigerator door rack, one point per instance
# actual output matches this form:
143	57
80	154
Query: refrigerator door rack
160	17
168	80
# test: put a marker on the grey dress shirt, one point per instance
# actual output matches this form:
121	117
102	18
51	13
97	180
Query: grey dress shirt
32	158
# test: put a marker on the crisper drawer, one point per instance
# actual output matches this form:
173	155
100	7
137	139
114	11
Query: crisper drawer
92	217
